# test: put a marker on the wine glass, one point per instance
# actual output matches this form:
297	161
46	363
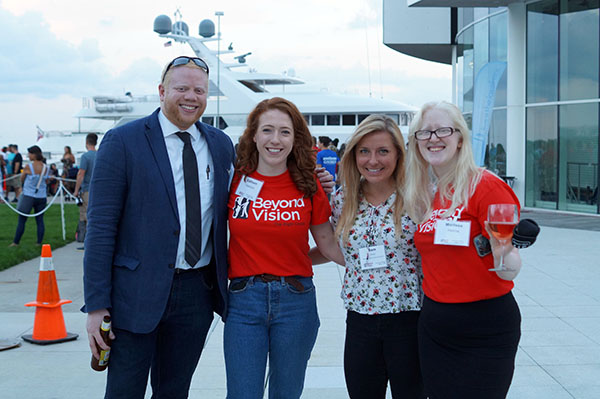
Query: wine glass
502	219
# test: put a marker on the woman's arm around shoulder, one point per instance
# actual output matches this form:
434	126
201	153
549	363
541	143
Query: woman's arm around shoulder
328	247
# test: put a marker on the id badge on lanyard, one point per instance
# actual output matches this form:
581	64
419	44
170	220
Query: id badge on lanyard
249	188
448	232
372	257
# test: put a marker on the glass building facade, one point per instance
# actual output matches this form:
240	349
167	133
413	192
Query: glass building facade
562	97
482	39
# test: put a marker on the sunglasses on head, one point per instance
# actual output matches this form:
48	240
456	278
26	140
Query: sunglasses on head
183	60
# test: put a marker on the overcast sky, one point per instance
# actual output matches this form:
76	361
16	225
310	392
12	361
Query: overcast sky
54	53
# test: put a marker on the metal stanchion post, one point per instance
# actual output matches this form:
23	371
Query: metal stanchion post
62	210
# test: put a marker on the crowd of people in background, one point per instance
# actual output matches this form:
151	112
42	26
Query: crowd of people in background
32	182
11	163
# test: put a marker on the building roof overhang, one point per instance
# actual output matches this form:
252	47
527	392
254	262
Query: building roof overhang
461	3
432	52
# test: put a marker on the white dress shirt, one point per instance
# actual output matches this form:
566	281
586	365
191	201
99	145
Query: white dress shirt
206	179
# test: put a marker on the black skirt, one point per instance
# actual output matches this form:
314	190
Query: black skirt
467	350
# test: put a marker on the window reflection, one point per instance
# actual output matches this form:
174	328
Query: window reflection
578	51
541	150
542	51
495	155
578	157
498	50
349	120
465	50
333	120
318	120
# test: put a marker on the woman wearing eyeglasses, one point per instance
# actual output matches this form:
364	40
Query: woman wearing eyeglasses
469	326
274	201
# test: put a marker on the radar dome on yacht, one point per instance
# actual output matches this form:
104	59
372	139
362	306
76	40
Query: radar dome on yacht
206	28
181	28
162	24
232	95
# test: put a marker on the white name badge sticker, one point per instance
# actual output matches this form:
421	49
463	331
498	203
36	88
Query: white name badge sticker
372	257
448	232
249	188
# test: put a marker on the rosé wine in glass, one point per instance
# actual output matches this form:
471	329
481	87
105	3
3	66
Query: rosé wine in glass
501	230
502	219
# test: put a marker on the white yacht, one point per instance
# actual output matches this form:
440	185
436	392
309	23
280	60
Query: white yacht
232	95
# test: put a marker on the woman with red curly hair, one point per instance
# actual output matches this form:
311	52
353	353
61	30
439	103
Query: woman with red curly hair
275	199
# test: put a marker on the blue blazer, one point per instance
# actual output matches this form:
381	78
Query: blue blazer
133	224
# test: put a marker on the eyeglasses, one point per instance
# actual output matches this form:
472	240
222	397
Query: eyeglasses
183	60
439	133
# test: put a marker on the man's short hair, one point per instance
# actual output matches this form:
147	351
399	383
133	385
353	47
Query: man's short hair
91	139
324	140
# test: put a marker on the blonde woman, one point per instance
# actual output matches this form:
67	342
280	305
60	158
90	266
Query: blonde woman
469	326
382	283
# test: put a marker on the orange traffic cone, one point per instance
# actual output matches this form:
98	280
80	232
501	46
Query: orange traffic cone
49	324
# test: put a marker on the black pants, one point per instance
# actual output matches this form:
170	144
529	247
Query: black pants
171	351
382	348
468	349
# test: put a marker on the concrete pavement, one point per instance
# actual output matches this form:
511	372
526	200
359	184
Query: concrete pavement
558	292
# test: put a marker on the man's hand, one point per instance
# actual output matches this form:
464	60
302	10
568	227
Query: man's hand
326	180
92	326
79	181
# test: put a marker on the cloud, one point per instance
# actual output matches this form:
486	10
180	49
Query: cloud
368	17
392	84
106	22
140	78
35	61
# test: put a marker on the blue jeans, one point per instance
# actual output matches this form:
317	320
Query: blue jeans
171	350
26	203
269	319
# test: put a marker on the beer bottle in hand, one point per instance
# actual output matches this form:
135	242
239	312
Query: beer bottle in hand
102	363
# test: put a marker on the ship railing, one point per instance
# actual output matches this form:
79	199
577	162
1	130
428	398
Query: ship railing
91	102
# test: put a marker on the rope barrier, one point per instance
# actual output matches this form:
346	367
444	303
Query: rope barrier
62	179
49	177
61	187
10	178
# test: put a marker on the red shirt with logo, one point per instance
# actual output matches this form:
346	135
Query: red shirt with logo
454	274
270	235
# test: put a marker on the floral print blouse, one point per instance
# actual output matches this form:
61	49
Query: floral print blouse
392	289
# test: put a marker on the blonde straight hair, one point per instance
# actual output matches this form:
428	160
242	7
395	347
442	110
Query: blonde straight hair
350	177
457	186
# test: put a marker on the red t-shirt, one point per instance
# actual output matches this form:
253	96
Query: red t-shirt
454	274
270	235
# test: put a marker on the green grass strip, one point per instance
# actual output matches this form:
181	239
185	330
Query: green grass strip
28	249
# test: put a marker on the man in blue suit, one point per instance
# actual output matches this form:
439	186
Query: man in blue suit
147	262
